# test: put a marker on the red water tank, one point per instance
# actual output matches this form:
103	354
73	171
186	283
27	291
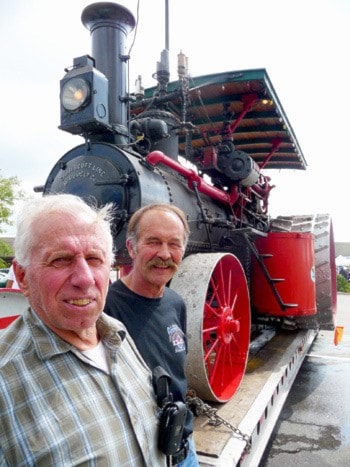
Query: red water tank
289	261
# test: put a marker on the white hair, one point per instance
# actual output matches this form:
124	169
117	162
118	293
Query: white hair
38	210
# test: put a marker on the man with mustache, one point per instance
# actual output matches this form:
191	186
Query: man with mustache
74	390
155	315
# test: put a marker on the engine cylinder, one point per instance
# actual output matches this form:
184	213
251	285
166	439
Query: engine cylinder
238	166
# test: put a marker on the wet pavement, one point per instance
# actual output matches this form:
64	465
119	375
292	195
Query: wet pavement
314	425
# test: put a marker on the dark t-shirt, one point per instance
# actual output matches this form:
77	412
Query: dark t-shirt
158	328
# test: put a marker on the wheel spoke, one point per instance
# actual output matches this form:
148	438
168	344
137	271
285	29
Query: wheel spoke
209	310
212	376
207	355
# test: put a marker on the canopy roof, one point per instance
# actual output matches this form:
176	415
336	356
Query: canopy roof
259	123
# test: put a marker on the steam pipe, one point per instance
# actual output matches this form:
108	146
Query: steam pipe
157	157
109	24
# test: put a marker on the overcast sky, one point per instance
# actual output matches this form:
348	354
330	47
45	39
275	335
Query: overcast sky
303	45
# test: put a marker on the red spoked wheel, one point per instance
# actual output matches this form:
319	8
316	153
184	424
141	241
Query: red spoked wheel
215	290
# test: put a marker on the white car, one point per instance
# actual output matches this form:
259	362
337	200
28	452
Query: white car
3	278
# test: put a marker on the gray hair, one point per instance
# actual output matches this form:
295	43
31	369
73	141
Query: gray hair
36	210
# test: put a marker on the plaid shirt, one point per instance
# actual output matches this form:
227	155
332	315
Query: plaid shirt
58	410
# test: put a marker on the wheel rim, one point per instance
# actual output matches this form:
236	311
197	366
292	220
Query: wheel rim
218	323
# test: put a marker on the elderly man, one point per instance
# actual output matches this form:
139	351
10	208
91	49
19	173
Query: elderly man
73	388
155	315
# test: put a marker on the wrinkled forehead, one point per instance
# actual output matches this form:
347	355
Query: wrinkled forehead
160	217
64	230
63	221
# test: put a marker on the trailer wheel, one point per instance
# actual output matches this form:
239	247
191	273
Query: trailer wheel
215	290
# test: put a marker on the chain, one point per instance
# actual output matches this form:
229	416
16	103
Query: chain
201	408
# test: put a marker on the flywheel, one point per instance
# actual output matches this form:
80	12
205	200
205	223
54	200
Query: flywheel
215	290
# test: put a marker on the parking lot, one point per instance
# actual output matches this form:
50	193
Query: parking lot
314	426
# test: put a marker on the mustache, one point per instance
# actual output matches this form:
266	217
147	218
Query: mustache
157	262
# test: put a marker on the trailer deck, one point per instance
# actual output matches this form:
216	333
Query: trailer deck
256	406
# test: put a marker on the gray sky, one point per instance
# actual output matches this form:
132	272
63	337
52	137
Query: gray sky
303	45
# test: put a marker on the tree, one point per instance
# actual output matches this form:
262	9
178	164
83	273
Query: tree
9	194
5	252
342	284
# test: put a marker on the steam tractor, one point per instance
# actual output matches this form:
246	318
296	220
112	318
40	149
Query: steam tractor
205	144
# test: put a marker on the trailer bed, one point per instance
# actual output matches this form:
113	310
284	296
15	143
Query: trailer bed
256	406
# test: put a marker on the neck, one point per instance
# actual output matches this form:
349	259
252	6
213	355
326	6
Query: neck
85	339
144	289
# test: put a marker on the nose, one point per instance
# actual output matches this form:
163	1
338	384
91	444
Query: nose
82	275
164	251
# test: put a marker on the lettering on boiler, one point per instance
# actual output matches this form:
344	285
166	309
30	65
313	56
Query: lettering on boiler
86	170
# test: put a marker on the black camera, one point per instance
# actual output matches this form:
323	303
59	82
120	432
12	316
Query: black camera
171	427
172	414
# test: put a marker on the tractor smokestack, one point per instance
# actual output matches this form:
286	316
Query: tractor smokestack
109	25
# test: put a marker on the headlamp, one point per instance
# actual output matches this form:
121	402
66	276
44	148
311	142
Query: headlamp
75	94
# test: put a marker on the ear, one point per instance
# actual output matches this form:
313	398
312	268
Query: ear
131	249
21	277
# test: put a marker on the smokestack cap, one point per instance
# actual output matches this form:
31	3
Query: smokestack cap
104	14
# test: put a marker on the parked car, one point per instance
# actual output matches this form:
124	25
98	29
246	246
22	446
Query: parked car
3	278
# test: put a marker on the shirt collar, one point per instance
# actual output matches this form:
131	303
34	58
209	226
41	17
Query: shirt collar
49	344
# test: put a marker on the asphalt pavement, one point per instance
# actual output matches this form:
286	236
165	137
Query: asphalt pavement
314	425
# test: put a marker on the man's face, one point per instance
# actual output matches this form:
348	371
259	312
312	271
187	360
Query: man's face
68	276
159	250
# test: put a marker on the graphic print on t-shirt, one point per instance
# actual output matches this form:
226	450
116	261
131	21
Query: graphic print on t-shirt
176	337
